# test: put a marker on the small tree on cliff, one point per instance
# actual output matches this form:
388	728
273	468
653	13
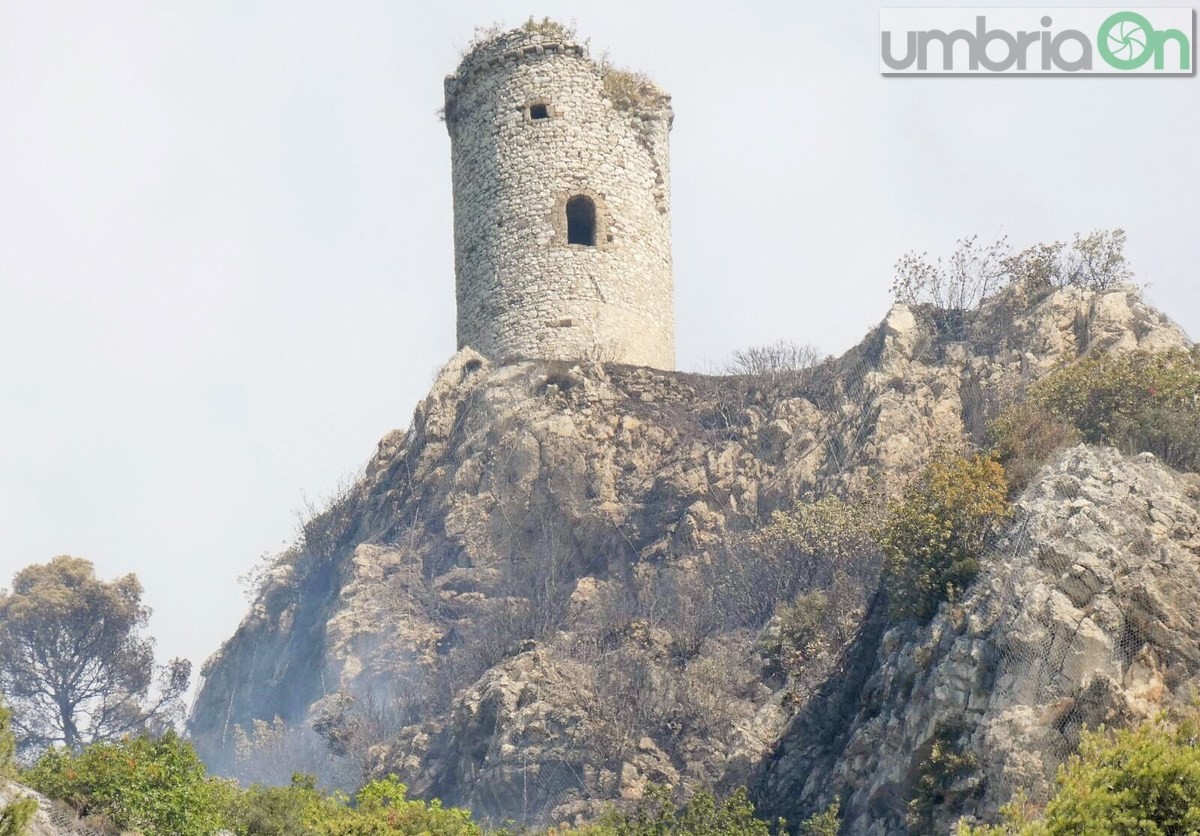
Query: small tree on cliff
73	664
936	535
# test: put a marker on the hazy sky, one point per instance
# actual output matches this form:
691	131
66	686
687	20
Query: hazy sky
226	265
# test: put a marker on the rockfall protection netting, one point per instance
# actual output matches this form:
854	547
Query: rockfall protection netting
1065	675
65	822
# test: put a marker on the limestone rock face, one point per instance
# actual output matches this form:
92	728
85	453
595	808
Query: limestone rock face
1085	614
504	572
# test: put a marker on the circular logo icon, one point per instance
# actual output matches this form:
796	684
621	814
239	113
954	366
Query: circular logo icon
1125	40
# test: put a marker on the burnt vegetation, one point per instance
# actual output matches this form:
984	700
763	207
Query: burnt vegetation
676	634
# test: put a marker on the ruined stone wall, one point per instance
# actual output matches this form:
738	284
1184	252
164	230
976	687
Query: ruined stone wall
522	289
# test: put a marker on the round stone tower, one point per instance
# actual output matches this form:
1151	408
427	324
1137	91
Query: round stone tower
562	203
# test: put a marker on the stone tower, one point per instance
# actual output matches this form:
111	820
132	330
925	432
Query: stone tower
562	203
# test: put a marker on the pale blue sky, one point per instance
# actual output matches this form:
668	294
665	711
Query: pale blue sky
226	264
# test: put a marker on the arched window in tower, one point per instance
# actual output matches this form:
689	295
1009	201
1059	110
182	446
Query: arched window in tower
581	221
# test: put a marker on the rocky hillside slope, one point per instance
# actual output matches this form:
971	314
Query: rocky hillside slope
1085	614
548	592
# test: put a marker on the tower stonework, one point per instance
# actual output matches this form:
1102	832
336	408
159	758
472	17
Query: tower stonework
562	219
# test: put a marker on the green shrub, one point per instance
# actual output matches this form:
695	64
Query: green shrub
702	815
830	527
1016	818
1170	433
1141	780
1120	398
8	744
828	822
1093	262
160	787
381	808
657	815
831	545
151	785
945	764
272	811
937	532
1138	402
1144	780
15	817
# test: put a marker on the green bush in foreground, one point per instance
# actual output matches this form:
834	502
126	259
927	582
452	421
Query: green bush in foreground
937	532
272	811
1144	780
159	787
701	815
828	822
144	784
382	808
15	817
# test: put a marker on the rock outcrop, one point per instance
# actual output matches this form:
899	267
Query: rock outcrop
501	580
1085	614
50	819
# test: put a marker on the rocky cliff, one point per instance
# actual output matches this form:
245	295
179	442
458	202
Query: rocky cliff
1085	614
548	591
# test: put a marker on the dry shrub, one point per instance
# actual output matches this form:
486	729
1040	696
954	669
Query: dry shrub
957	285
628	89
1093	262
1023	438
797	634
780	362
